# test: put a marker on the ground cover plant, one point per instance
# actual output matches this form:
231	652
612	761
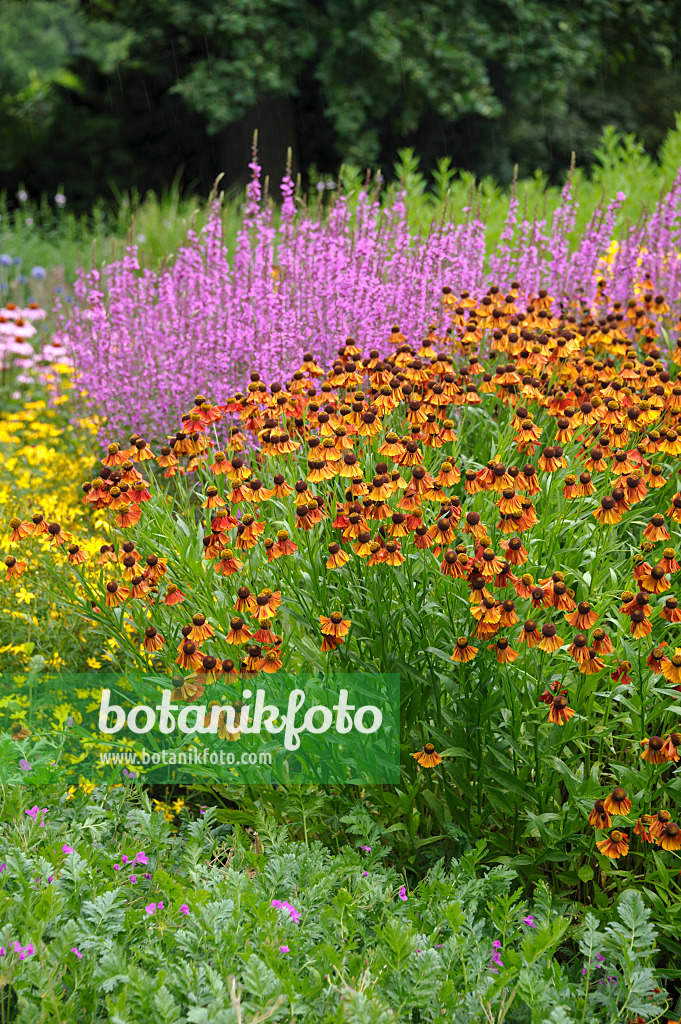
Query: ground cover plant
110	914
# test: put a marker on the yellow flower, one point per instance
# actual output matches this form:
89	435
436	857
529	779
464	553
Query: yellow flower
23	595
87	786
93	663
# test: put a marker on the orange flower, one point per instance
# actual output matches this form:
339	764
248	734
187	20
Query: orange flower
428	757
173	594
654	750
550	640
583	617
599	817
334	625
504	651
153	641
115	594
669	837
671	746
464	651
559	712
617	802
14	568
266	605
615	845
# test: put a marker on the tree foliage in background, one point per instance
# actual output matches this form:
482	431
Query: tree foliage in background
126	91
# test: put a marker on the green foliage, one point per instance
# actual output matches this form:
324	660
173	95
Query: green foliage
141	923
495	83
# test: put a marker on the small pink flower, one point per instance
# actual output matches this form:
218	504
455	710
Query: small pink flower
141	858
367	849
284	949
160	906
403	893
66	849
117	867
150	908
75	950
133	879
184	909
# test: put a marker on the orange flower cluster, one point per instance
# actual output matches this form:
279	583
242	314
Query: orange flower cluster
366	452
652	828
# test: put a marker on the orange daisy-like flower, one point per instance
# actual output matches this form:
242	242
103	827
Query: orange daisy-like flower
334	625
583	617
245	600
654	750
464	651
669	837
671	667
267	604
200	629
621	673
337	557
607	512
656	531
153	641
550	641
617	802
238	632
115	594
173	594
229	564
643	826
601	642
599	817
271	660
671	746
18	529
559	712
428	757
504	651
14	568
615	845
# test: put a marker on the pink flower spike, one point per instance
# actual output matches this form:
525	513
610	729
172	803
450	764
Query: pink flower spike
403	893
150	908
66	849
184	909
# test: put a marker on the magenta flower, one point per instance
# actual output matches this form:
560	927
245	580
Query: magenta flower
24	765
284	949
66	849
150	908
529	921
184	908
367	849
75	950
141	858
133	879
35	811
403	893
291	910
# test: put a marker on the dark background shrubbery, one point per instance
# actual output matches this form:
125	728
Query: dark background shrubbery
112	95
